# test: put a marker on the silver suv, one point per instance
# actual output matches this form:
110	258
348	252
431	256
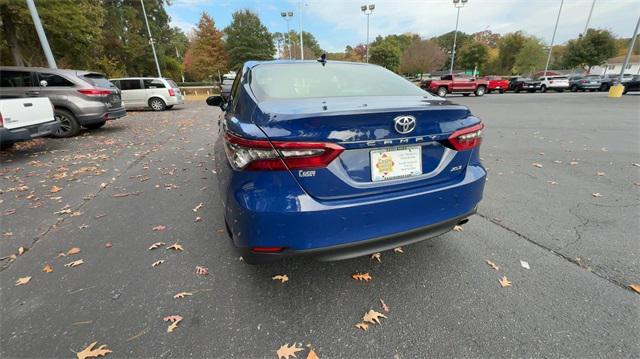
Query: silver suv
79	98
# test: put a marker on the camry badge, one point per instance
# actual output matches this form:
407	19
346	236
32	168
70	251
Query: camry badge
404	124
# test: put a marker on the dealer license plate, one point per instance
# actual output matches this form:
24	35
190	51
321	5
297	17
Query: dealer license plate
395	163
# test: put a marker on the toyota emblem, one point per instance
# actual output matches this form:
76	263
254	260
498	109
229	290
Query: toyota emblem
404	124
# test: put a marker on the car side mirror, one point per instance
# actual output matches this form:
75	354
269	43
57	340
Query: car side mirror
217	101
44	83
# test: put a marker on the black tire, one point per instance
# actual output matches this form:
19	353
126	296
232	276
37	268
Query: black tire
5	145
517	91
560	90
501	91
592	90
157	104
95	126
531	91
69	125
574	88
466	94
543	88
480	91
169	107
442	91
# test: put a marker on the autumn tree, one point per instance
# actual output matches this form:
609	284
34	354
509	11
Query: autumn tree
471	55
247	39
509	46
531	57
385	54
592	49
422	56
206	55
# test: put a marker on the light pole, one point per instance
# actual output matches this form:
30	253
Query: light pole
287	15
586	26
300	25
41	35
151	41
553	38
367	10
459	4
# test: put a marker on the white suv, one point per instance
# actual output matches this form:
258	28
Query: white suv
557	83
156	93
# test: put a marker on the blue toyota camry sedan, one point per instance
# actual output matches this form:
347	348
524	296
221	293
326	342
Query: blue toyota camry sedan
335	160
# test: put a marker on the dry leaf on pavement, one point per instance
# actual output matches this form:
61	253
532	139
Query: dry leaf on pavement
361	276
176	247
573	163
182	295
363	326
286	351
174	319
536	165
281	277
200	270
376	256
552	182
156	245
22	280
74	263
524	264
457	228
72	251
635	287
312	354
493	265
373	317
596	194
55	189
504	282
157	263
385	307
200	205
159	228
600	173
21	250
398	250
47	268
89	352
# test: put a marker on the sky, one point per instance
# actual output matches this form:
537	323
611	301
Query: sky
337	23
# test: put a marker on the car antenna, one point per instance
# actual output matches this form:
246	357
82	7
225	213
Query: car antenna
323	59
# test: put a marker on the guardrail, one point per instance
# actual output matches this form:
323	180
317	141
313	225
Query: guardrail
199	92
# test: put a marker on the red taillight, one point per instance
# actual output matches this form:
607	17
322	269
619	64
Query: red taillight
95	92
171	92
262	155
467	138
267	249
1	120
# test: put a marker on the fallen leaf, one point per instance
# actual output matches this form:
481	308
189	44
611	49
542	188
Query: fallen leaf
373	317
596	194
637	164
89	352
74	263
457	228
286	351
398	250
182	294
22	280
573	163
47	268
504	282
493	265
557	161
174	319
176	247
21	250
635	287
600	173
84	226
536	165
198	219
361	276
157	263
200	205
281	277
72	251
524	264
552	182
156	245
55	189
312	355
108	245
376	256
363	326
385	307
120	195
159	228
200	270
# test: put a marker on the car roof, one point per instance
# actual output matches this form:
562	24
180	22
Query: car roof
69	72
140	78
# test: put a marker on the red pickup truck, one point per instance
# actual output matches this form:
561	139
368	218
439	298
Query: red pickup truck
496	83
465	85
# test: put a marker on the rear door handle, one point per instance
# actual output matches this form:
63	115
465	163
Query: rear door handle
28	104
33	93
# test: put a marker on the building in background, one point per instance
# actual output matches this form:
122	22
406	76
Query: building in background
614	65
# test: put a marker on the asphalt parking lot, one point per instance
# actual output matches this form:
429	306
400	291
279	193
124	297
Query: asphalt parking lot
562	195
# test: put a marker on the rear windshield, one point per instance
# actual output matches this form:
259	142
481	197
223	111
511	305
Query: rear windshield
98	80
308	80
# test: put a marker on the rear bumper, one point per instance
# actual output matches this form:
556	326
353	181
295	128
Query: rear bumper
28	132
97	115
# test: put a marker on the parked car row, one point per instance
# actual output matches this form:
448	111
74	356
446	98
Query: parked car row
467	85
76	99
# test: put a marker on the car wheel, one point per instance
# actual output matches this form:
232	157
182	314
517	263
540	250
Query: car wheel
157	104
480	91
488	91
501	91
169	107
95	126
560	90
69	125
442	91
466	94
543	88
574	88
517	91
592	90
531	91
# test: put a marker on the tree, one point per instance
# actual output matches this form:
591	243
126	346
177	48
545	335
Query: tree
530	58
422	56
509	47
206	55
386	54
312	49
446	43
473	54
592	49
247	39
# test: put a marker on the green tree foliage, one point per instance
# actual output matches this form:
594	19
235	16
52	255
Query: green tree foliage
472	54
247	39
312	49
594	48
386	54
509	47
446	43
205	56
530	58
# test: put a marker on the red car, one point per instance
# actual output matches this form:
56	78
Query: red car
463	84
496	83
